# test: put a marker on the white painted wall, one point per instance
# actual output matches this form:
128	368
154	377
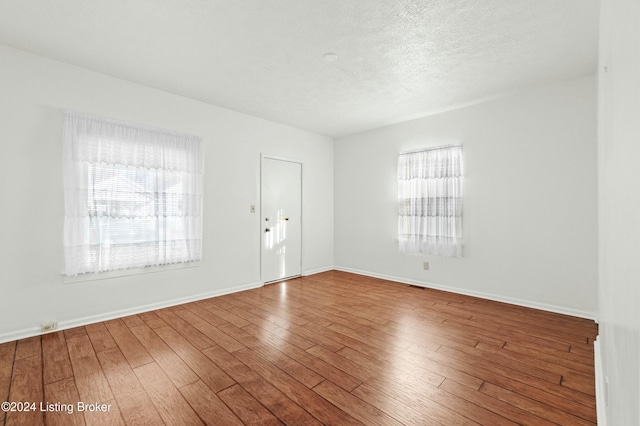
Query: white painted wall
530	205
619	214
33	93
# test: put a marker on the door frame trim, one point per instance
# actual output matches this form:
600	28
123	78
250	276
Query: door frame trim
266	156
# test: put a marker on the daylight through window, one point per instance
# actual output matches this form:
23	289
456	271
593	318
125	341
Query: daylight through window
430	201
133	195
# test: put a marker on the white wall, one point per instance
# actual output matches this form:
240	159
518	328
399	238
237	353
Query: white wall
619	214
33	93
530	207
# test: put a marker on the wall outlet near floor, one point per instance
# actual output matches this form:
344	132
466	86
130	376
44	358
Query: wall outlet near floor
49	326
425	266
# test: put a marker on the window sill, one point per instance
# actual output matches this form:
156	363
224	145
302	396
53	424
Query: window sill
128	272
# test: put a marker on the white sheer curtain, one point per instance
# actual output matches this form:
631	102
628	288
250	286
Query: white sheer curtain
430	201
133	195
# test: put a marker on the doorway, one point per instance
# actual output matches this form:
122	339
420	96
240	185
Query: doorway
281	218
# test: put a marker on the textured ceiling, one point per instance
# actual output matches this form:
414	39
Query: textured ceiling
397	60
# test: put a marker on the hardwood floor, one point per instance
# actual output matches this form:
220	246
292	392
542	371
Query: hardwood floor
333	348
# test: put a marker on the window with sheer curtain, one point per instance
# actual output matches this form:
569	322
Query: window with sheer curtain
133	195
430	201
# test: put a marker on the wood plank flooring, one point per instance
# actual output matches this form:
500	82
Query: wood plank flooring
332	348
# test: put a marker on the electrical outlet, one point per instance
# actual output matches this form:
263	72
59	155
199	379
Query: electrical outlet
252	209
425	266
49	326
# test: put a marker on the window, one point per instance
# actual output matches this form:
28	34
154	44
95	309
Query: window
430	201
133	195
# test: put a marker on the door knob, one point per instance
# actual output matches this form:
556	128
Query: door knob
267	230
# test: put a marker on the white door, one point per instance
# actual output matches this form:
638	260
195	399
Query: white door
281	192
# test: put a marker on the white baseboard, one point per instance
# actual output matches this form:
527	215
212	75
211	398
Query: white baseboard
601	402
513	301
63	325
317	271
